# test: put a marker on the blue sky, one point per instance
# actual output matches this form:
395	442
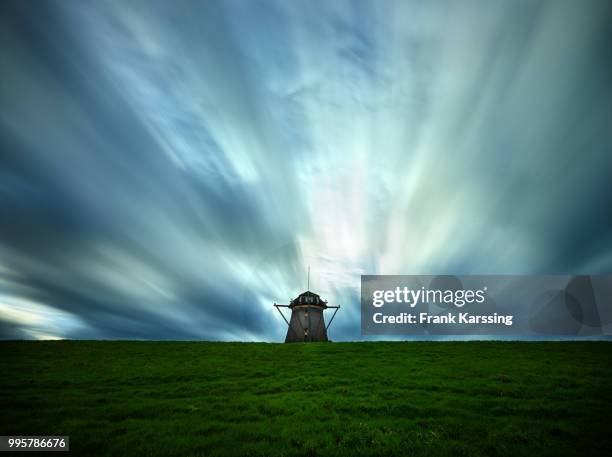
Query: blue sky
168	170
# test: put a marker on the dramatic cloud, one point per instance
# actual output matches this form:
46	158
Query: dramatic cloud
169	169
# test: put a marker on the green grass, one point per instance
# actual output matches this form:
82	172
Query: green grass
375	399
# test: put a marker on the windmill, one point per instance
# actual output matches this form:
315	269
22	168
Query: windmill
307	323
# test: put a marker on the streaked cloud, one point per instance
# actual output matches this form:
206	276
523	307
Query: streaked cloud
169	169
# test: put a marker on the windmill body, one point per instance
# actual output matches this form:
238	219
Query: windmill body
307	322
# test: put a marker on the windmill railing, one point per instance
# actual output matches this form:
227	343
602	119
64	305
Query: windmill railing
335	308
333	315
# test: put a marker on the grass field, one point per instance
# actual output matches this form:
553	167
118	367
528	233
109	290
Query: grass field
376	399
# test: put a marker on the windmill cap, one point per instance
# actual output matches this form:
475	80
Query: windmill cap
308	298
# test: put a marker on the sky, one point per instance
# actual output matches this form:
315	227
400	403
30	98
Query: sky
169	170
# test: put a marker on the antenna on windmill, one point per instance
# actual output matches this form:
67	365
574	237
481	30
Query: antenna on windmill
308	284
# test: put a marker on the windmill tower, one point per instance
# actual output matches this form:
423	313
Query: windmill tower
307	323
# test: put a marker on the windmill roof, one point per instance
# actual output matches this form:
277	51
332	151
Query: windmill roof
308	298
